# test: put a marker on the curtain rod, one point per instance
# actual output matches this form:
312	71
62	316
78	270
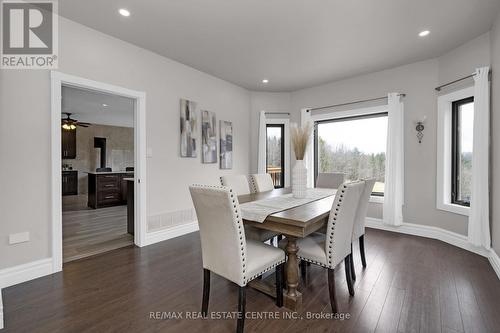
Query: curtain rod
355	102
288	113
457	80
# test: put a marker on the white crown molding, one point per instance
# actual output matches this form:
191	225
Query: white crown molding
168	233
25	272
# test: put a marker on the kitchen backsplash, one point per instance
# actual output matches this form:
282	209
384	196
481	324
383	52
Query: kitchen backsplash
120	150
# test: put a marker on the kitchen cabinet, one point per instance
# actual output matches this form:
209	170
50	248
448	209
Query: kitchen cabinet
70	182
68	144
106	189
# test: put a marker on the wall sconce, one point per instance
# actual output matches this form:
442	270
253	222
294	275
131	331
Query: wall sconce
419	127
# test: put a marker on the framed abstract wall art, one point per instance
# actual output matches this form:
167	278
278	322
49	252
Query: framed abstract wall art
189	129
208	137
226	144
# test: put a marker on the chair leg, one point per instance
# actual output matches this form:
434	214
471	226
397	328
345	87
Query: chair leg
347	265
351	260
362	249
279	285
206	292
241	309
331	290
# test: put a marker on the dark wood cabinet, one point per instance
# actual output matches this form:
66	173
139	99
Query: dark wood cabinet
107	189
70	182
68	143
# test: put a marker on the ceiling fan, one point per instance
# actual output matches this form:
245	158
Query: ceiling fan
70	124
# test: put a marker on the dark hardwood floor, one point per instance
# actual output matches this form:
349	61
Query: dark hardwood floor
411	284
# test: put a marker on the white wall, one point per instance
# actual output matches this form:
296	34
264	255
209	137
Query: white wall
418	81
25	195
461	61
495	148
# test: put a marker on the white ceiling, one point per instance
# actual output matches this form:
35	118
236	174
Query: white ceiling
87	106
293	43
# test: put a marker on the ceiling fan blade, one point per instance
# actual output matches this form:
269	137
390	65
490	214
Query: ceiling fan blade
79	124
84	123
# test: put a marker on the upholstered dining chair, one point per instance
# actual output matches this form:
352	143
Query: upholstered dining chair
358	231
240	185
261	182
328	250
225	249
330	179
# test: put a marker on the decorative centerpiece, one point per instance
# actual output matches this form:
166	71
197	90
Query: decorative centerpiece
300	139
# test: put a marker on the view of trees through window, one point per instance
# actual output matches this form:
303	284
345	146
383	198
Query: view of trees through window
354	146
274	154
463	124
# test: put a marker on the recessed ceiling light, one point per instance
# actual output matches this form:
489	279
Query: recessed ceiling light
424	33
265	81
105	105
124	12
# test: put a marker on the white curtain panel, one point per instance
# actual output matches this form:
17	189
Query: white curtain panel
479	225
261	159
305	118
394	162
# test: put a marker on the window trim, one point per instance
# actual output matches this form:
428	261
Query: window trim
286	123
444	151
283	161
329	116
455	149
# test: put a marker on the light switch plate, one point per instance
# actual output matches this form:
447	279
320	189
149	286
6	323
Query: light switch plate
149	152
19	238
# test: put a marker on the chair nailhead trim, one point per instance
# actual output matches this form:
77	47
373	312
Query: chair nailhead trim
263	271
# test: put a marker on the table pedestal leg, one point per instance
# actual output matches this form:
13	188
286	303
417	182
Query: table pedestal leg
292	297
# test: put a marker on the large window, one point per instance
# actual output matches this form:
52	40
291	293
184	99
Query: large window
275	153
461	148
354	146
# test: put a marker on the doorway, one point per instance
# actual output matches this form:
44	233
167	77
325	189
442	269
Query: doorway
98	168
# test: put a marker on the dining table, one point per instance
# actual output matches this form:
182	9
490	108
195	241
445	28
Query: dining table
294	223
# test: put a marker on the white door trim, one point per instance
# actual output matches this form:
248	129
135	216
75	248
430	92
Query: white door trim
286	123
59	79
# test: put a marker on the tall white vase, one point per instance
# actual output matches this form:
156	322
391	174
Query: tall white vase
299	179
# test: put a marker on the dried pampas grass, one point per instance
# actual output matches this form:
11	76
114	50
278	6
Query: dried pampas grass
300	139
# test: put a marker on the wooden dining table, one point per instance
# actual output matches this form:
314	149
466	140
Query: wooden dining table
293	223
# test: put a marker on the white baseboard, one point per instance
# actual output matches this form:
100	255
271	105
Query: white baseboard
495	262
32	270
429	232
1	310
172	232
25	272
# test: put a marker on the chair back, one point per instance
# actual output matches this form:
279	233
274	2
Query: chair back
223	242
238	183
341	222
262	182
330	180
360	220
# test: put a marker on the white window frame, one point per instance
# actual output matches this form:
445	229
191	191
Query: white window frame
345	114
286	123
444	130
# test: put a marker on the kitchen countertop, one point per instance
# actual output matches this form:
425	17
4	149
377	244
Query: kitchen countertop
109	172
129	179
